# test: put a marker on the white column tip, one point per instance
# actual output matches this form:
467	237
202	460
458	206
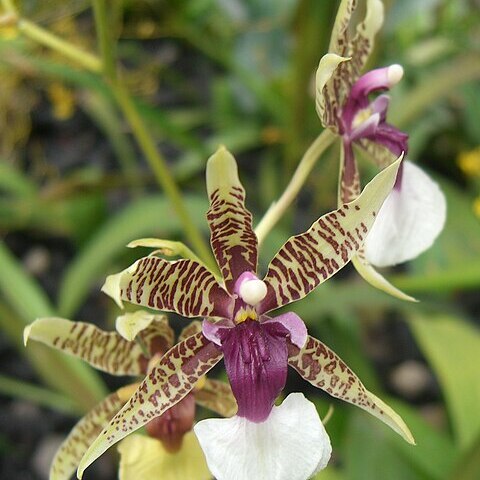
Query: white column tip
253	291
395	74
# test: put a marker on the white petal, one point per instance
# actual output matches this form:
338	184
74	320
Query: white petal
409	221
291	444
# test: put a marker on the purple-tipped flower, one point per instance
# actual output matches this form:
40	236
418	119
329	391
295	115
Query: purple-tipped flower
262	441
414	214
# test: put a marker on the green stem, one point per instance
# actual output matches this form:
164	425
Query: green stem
43	37
160	170
33	393
104	33
310	157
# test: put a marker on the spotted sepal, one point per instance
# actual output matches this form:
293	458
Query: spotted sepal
107	351
349	189
218	397
169	381
335	74
182	286
233	240
324	369
374	278
191	329
308	259
83	433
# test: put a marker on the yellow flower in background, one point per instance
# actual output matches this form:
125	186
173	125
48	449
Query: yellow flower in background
145	457
62	99
469	162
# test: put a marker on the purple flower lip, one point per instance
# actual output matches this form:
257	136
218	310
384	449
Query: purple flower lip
255	348
362	118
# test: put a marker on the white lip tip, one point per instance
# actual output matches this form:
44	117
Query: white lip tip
395	74
253	291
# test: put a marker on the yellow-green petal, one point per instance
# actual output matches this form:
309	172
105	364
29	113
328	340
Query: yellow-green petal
185	287
340	77
233	240
107	351
328	98
377	280
148	326
145	458
172	378
324	369
308	259
191	329
83	433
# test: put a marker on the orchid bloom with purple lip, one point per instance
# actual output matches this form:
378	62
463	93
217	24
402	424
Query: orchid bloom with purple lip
261	441
414	213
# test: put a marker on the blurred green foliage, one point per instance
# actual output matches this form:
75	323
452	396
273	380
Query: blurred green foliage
204	72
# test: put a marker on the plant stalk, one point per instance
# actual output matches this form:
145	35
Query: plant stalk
277	209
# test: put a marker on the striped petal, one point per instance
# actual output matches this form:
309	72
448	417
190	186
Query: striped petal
182	286
191	329
328	97
233	240
83	433
324	369
107	351
169	381
349	190
308	259
335	75
145	458
218	397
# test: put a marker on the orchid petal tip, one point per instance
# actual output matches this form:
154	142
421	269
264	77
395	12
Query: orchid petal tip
26	334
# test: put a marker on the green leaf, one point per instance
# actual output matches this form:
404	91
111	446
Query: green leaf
25	296
148	216
14	182
468	467
369	456
435	452
33	393
72	216
28	301
451	345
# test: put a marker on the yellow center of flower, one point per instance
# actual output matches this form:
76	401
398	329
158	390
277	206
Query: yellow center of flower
361	117
245	314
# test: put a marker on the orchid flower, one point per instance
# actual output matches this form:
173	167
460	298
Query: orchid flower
139	342
261	441
414	213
